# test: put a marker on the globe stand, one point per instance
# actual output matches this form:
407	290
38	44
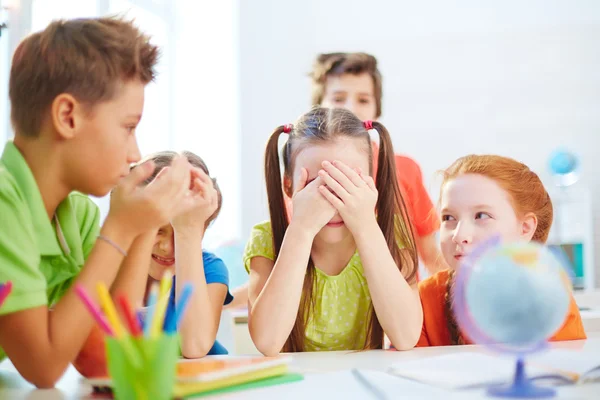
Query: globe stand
521	386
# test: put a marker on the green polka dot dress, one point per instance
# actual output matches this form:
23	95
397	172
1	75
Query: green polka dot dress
343	301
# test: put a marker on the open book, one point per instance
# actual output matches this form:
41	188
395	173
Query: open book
213	375
472	370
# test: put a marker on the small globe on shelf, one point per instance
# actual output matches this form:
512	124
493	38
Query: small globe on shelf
564	167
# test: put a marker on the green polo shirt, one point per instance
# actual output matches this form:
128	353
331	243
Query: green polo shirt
41	256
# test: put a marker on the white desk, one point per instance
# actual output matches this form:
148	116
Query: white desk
590	315
237	339
317	384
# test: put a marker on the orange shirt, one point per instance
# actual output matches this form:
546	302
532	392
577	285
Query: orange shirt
421	211
91	360
435	329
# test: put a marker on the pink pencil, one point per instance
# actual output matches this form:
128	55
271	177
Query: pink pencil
94	310
5	291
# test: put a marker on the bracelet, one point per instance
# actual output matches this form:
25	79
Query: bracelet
113	244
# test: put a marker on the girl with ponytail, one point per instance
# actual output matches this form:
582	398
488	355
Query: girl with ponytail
483	196
342	270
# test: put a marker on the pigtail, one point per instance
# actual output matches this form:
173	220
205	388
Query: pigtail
279	224
393	221
277	210
392	214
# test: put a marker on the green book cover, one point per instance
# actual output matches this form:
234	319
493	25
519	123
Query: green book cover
277	380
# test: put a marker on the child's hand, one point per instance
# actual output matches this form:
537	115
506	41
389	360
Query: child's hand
354	195
311	210
203	199
139	209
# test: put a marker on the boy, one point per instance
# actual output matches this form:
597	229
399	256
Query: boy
353	81
77	92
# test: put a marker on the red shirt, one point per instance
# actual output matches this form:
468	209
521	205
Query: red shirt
421	211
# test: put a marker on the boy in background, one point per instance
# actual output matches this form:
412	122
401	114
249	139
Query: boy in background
353	81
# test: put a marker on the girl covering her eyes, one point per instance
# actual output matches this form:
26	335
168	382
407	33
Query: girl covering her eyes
342	271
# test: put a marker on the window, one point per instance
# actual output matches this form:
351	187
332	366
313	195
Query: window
4	70
193	105
154	131
44	11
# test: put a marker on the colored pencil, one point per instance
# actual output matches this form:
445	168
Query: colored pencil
110	310
180	308
94	310
5	290
161	305
152	298
130	318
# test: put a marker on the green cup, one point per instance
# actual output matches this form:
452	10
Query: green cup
143	368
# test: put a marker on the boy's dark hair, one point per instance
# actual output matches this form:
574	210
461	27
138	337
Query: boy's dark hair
336	64
87	58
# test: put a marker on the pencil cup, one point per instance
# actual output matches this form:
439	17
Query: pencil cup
150	374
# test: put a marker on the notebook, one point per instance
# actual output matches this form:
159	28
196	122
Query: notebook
211	369
213	375
472	370
345	385
262	383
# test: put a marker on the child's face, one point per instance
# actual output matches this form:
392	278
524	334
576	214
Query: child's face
105	144
352	92
347	150
474	208
163	253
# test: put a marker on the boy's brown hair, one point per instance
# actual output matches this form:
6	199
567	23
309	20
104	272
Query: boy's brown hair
164	159
88	58
336	64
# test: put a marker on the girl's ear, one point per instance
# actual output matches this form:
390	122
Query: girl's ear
287	186
528	226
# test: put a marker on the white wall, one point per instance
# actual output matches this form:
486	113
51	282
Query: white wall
4	69
205	109
513	78
18	21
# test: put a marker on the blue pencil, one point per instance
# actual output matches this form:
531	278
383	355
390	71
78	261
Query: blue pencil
170	318
140	317
180	307
151	306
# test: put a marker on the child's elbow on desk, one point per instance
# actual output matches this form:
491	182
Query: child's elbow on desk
268	345
43	372
268	348
268	351
196	348
44	378
405	340
403	346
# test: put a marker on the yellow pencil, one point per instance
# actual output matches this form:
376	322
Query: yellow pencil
111	314
161	304
109	309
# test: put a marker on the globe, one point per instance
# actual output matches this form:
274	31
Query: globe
565	167
512	298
